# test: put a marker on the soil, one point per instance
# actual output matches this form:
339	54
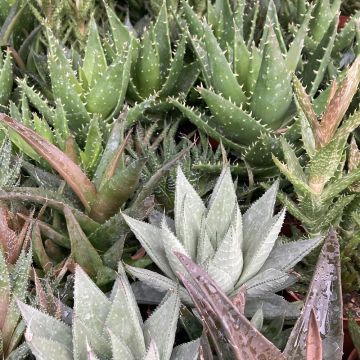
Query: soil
352	304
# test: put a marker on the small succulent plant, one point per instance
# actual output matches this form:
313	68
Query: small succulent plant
236	250
97	87
317	334
15	263
320	185
107	327
195	150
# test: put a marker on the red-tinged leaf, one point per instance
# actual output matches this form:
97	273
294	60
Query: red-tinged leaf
340	102
245	340
70	171
325	299
207	314
240	299
313	339
305	103
116	191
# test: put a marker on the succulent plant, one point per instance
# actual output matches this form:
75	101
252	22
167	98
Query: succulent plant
107	327
236	250
242	85
15	263
154	70
97	87
317	334
68	19
196	150
320	184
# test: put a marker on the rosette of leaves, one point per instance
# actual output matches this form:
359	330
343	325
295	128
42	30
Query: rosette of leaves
234	336
196	152
236	250
156	69
247	88
247	82
91	85
324	15
68	19
107	327
319	181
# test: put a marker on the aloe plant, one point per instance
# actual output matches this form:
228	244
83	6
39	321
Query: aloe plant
236	250
320	185
317	334
242	85
199	153
105	327
15	263
97	87
155	70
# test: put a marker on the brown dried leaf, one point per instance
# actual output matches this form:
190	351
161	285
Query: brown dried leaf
305	103
339	103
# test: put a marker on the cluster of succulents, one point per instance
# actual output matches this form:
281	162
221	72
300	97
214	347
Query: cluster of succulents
171	172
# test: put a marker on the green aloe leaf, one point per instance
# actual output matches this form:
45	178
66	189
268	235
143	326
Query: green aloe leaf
82	251
65	85
109	91
222	78
93	146
6	79
230	120
272	94
113	193
94	64
162	36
